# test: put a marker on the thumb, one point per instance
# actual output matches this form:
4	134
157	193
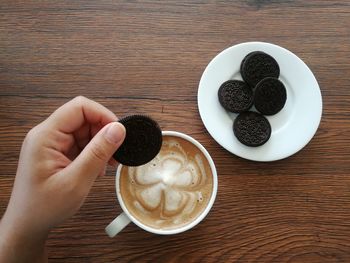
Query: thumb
93	159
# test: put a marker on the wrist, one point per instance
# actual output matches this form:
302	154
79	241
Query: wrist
19	243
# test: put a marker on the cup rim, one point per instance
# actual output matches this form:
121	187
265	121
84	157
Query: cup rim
200	217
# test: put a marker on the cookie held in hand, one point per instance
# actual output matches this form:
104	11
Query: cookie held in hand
142	142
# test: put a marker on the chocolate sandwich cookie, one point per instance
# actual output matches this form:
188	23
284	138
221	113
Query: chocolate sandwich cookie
270	96
235	96
142	142
252	128
258	65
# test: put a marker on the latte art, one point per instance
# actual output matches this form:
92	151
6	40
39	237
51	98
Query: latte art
172	189
170	179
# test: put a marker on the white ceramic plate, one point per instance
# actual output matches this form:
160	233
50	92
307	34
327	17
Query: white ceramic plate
292	128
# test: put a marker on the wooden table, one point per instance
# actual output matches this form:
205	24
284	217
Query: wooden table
148	58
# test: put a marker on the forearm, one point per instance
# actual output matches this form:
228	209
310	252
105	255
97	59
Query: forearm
20	245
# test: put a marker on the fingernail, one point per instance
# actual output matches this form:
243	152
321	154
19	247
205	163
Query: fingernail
115	132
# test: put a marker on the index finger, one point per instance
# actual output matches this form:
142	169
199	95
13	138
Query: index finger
73	114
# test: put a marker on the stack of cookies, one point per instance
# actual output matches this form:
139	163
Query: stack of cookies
260	87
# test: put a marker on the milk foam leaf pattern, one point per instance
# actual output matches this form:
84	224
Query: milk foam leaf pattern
170	182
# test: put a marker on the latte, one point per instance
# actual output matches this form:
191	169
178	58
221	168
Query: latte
170	191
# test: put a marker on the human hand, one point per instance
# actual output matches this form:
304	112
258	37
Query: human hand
59	161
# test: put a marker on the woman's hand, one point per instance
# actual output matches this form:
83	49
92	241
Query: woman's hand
59	161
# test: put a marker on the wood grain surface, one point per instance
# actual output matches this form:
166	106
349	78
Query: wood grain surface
148	57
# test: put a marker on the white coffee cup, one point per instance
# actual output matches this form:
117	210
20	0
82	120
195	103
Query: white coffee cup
125	218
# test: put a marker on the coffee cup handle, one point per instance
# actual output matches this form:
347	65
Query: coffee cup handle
117	225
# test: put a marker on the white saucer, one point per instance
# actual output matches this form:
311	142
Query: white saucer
292	128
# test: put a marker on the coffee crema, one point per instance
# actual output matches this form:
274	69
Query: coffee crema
170	191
